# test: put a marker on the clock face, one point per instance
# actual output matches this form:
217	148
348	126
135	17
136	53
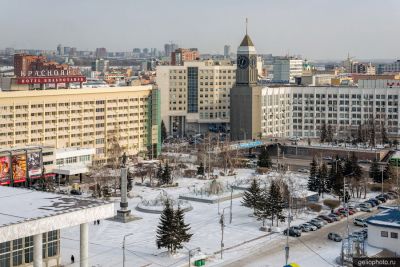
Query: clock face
242	62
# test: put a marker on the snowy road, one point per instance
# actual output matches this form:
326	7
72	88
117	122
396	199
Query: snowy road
311	249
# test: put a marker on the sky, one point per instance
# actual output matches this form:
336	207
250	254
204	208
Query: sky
315	29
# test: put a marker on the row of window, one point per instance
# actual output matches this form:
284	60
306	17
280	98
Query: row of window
392	234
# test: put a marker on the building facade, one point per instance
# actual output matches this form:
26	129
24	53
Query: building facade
91	117
287	69
195	96
181	55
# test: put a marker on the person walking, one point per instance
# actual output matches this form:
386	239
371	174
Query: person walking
72	259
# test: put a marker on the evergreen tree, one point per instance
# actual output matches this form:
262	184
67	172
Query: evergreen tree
348	167
322	178
372	135
277	204
329	134
264	160
323	133
356	168
263	206
252	195
159	173
200	169
337	182
166	228
312	179
375	172
163	132
388	172
181	232
384	137
166	175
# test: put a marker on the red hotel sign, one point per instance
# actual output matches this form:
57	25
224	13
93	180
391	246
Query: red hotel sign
56	79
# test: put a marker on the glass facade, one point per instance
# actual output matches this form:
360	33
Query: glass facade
20	251
192	89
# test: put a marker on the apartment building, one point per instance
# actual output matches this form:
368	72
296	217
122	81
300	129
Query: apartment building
195	96
300	111
90	117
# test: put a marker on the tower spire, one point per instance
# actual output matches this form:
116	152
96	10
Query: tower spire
247	22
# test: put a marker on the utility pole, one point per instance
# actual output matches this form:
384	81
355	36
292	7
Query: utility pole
123	248
230	211
382	179
221	221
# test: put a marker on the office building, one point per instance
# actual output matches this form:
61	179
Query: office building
227	51
60	50
195	96
181	55
287	69
100	65
91	117
169	48
101	52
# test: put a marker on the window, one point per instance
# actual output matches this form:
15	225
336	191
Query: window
5	254
394	235
29	249
52	246
384	234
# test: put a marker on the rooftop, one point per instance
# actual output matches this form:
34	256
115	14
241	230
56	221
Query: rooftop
387	218
246	41
26	212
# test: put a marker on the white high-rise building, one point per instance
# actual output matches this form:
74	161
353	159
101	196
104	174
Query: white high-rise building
227	51
195	96
287	69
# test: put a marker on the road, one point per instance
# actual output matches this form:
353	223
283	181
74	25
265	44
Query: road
311	248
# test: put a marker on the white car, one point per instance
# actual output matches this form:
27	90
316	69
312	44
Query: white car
303	170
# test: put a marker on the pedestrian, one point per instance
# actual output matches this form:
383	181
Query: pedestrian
98	222
72	259
94	222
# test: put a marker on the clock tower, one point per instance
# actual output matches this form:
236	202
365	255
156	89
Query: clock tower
245	96
246	72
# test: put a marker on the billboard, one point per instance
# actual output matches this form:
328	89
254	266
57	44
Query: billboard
19	168
5	170
34	164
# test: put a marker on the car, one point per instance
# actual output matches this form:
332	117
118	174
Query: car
366	204
294	138
382	199
359	222
296	227
305	227
321	220
311	226
364	161
335	237
354	210
392	195
326	218
303	170
327	158
377	202
317	221
373	203
365	209
75	192
317	224
335	217
357	236
292	232
385	196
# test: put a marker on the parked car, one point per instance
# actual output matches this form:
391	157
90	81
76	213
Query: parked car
75	192
367	204
326	218
360	222
354	210
357	236
316	223
305	228
335	237
386	196
292	232
303	170
373	202
297	227
335	217
365	208
382	199
311	226
392	195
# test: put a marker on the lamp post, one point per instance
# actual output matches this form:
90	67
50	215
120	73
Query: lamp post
190	251
222	222
123	248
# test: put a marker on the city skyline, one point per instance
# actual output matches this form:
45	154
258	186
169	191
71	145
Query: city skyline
311	29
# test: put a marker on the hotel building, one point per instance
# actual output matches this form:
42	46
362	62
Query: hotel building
91	117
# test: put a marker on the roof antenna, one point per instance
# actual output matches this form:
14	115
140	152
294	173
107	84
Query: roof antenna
247	21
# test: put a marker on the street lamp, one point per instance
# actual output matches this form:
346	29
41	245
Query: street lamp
123	248
222	222
191	253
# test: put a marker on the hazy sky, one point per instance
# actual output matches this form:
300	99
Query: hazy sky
316	29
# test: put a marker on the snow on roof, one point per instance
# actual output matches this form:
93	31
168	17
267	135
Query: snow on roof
388	218
18	205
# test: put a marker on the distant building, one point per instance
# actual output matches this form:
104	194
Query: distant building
101	52
227	51
73	52
67	49
195	96
60	50
100	65
390	68
169	48
287	69
181	55
384	230
9	51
